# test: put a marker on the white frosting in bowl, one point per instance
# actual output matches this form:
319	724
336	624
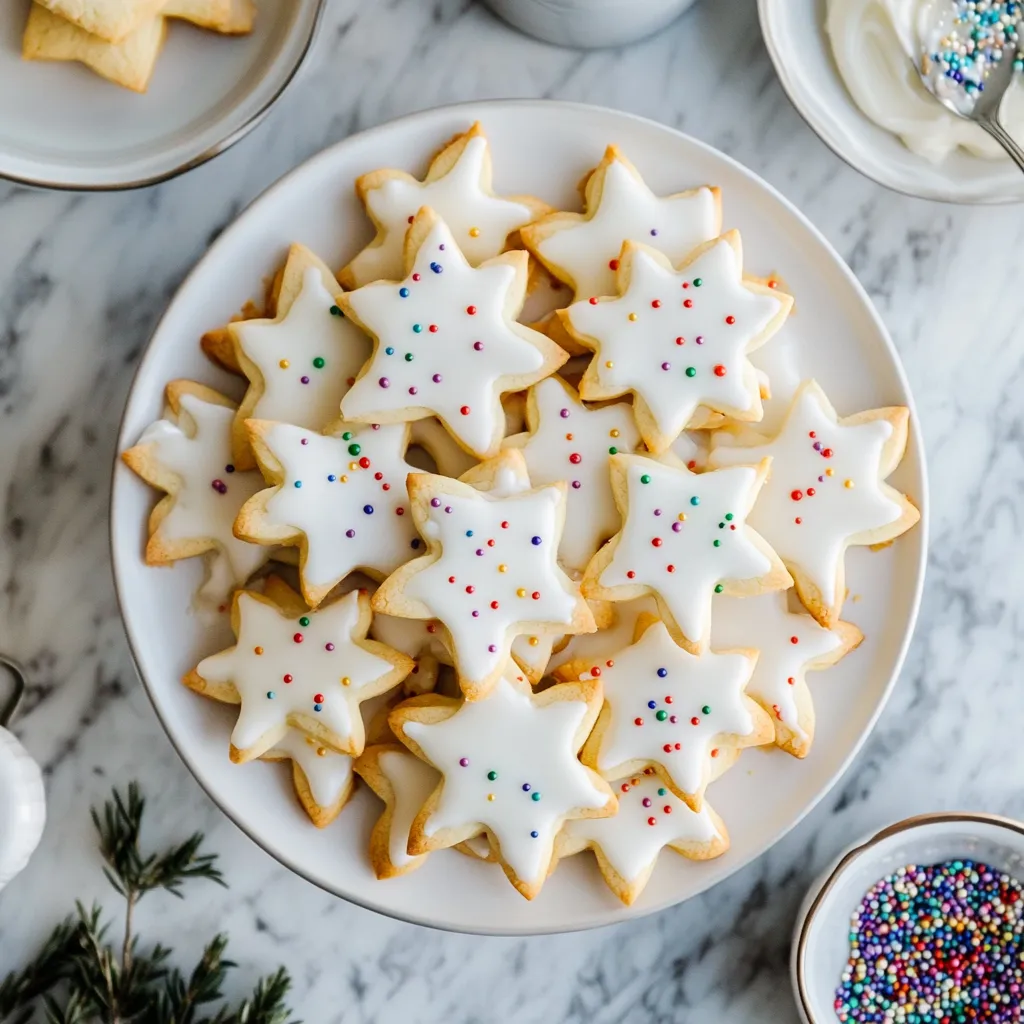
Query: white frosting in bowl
870	42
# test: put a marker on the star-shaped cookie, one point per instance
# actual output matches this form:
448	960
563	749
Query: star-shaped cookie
827	490
310	672
569	441
684	538
322	777
583	249
446	341
339	497
490	572
302	362
509	767
678	339
458	187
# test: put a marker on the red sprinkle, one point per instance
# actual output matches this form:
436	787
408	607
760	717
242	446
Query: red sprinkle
730	320
719	370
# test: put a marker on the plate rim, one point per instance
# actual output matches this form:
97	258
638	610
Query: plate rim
615	915
222	145
765	15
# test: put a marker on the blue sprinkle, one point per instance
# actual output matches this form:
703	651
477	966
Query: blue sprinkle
368	509
652	703
469	533
526	787
535	541
298	483
534	835
662	672
389	351
404	292
271	695
331	477
318	707
436	268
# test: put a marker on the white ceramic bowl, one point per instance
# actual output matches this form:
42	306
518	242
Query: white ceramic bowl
794	32
62	126
542	148
820	939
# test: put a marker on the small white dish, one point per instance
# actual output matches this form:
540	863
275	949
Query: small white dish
794	33
821	937
62	126
541	148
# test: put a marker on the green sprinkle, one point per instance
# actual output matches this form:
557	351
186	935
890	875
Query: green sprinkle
661	716
535	797
706	710
661	791
336	311
304	621
354	449
691	371
492	775
613	450
695	500
319	362
697	282
728	517
646	478
409	357
718	588
347	436
718	543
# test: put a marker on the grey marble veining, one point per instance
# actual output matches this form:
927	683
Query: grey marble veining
83	280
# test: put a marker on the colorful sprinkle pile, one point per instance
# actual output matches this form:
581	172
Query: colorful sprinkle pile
978	34
936	945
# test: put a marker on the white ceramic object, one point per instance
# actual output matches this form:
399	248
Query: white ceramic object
22	797
821	937
62	126
542	148
794	32
589	23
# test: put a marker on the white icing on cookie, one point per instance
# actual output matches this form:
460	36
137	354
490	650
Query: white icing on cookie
328	773
481	222
588	251
307	361
786	642
497	569
679	339
650	817
685	534
289	669
604	643
571	442
824	488
197	449
510	766
412	781
347	494
671	708
445	341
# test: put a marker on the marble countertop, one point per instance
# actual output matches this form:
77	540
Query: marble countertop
83	279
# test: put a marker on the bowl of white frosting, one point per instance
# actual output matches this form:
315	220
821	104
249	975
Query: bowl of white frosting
844	65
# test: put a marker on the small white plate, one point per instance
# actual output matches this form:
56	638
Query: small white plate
821	937
62	126
794	32
541	148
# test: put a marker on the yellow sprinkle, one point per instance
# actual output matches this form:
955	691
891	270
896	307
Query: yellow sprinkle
346	680
284	364
830	471
632	316
474	232
490	796
311	741
520	592
609	364
353	466
613	433
258	650
321	751
502	567
682	517
848	484
344	479
534	641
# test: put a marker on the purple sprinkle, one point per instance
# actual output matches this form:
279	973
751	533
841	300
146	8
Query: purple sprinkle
435	502
384	382
350	533
412	391
676	526
305	440
821	479
476	615
436	378
328	647
526	787
441	247
647	801
699	339
480	551
817	446
576	485
657	511
464	761
564	414
478	346
654	231
303	380
229	468
666	366
448	509
673	719
492	649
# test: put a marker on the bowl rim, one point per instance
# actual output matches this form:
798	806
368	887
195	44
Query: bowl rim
215	149
802	937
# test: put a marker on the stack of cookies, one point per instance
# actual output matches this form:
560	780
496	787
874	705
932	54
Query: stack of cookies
551	576
121	39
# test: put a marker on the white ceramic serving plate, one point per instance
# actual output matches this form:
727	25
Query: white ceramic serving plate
62	126
542	148
794	32
820	939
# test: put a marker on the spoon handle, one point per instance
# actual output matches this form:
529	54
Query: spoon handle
1004	138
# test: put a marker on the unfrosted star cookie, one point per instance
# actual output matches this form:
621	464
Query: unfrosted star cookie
322	777
583	249
678	339
827	490
302	362
569	441
446	341
491	570
309	672
687	716
340	497
684	538
789	645
509	767
458	187
187	453
650	818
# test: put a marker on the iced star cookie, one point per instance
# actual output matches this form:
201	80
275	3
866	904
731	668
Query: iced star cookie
509	767
302	362
458	187
686	716
684	538
569	441
650	818
188	455
678	339
583	249
789	645
827	490
490	572
309	672
446	341
340	497
322	777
